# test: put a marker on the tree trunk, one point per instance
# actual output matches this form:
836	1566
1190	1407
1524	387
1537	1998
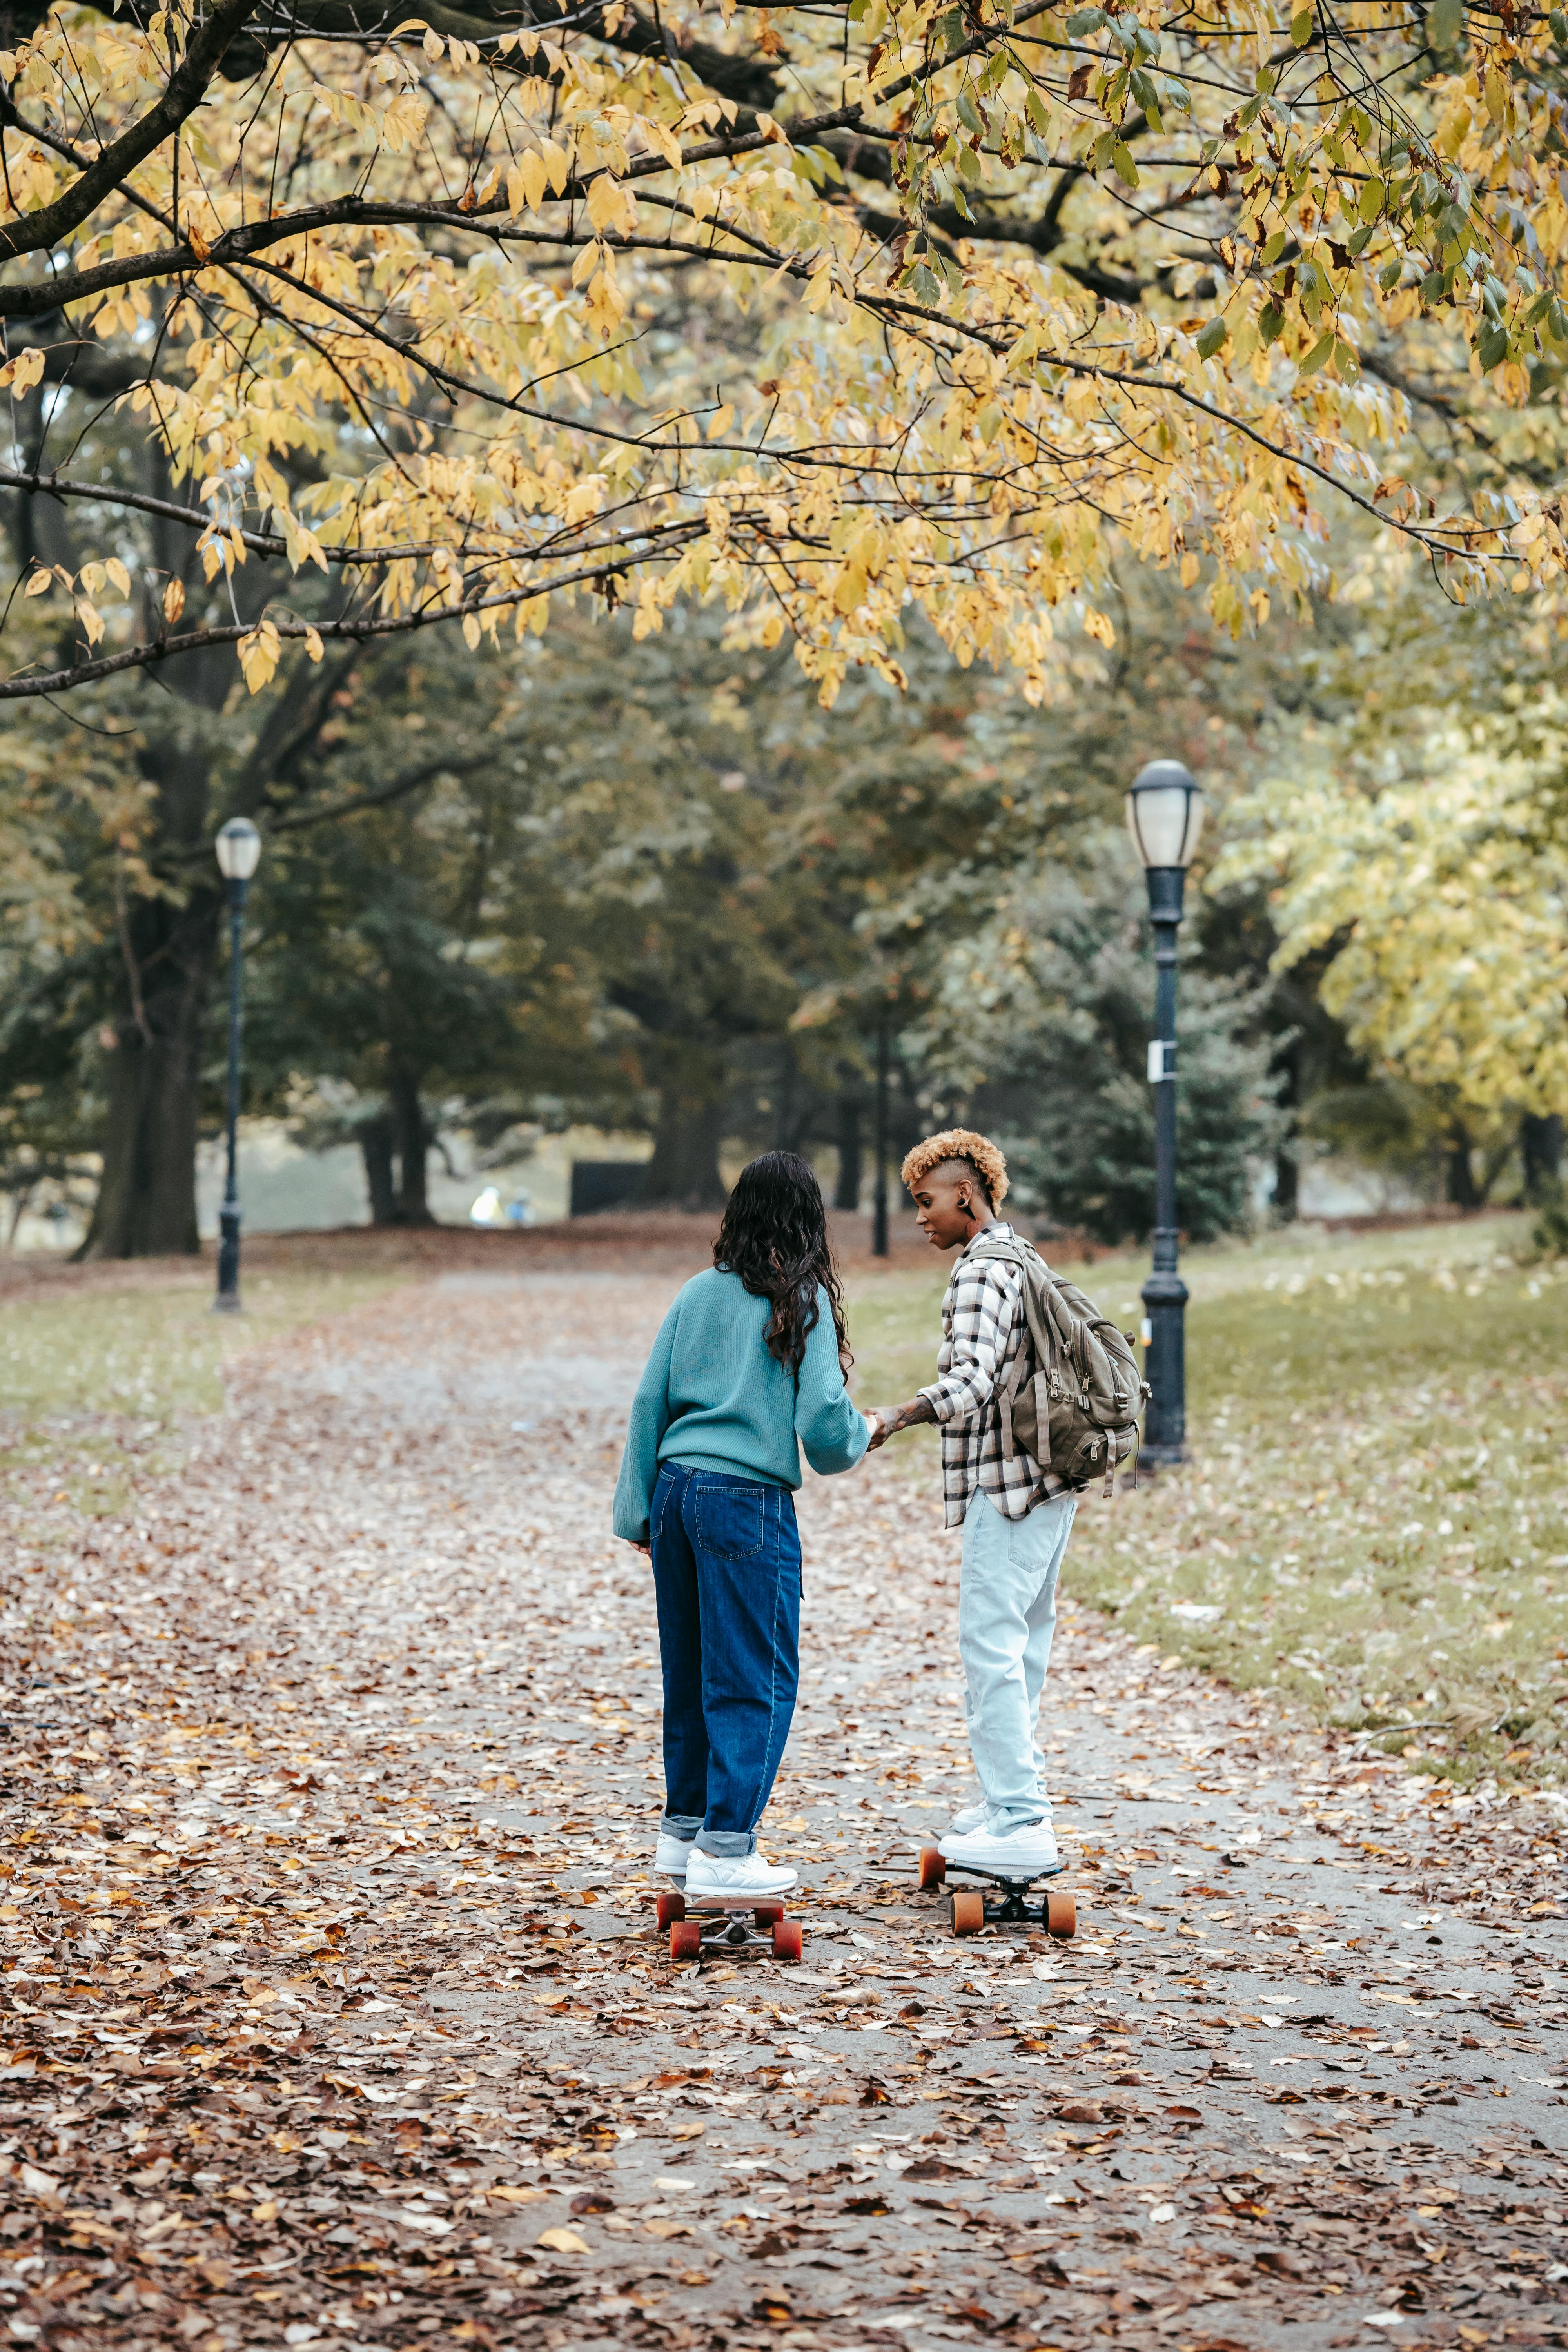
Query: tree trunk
783	1098
413	1136
1541	1146
684	1170
146	1204
375	1147
1459	1170
851	1154
1288	1153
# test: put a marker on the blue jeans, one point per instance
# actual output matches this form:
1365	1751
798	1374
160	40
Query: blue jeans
1007	1618
726	1576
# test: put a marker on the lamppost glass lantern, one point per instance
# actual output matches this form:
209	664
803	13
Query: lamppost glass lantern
1166	813
1164	817
238	848
238	852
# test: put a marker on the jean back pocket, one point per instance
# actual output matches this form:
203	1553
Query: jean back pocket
731	1520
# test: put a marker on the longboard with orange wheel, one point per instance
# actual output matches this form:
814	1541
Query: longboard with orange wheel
1056	1910
719	1929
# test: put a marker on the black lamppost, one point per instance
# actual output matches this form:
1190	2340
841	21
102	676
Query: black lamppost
880	1186
239	846
1164	816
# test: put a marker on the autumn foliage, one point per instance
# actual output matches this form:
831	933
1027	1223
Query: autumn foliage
832	312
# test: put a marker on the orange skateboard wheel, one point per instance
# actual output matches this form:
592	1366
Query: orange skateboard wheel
968	1912
1061	1912
686	1939
786	1940
668	1909
933	1869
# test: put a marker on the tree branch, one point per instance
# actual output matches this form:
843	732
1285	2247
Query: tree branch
261	543
664	542
36	231
295	820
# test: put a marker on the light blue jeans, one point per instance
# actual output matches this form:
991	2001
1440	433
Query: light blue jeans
1006	1619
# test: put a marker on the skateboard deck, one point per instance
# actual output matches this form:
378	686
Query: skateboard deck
1056	1909
715	1924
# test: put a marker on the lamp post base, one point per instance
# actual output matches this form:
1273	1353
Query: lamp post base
1154	1458
1165	1418
227	1302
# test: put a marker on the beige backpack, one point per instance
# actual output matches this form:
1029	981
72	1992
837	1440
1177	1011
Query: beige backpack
1077	1414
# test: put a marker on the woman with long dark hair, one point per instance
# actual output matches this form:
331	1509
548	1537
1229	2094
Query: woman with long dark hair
747	1370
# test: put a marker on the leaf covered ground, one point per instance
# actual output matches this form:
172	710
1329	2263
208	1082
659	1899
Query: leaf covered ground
336	2011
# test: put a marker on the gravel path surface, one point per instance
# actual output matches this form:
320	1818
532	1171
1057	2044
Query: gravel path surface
337	2013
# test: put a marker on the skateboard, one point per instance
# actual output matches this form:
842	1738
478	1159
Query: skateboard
707	1924
1056	1910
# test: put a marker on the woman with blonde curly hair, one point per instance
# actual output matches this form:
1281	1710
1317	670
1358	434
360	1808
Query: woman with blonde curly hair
1016	1516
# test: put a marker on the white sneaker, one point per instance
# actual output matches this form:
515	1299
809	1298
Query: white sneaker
1024	1852
672	1853
973	1817
744	1874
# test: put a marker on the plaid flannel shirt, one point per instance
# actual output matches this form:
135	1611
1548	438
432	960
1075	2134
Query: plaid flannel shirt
983	1330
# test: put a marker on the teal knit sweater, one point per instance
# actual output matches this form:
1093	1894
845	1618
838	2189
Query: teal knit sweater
712	1398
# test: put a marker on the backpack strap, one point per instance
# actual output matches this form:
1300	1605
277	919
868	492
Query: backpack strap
1044	1342
1047	1338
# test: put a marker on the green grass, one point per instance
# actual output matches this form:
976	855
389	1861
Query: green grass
139	1362
1374	1519
152	1352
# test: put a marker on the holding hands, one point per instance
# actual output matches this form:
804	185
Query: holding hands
885	1420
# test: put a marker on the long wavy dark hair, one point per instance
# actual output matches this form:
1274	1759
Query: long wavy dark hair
775	1236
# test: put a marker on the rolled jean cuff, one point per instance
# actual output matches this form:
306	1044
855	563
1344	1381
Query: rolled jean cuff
727	1845
1015	1817
684	1826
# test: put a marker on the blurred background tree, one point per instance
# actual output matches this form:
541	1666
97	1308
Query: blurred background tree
656	887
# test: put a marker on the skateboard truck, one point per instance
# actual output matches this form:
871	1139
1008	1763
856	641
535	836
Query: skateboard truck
1056	1910
719	1929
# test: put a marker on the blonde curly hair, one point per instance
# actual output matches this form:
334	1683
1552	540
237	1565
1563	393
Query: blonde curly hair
959	1143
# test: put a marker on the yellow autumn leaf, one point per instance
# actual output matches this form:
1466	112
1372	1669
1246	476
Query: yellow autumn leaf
259	654
562	2241
174	601
818	288
24	371
609	204
526	182
661	136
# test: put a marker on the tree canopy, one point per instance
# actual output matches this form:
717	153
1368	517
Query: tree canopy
1416	845
834	311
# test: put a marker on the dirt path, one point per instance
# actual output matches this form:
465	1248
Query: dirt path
337	2014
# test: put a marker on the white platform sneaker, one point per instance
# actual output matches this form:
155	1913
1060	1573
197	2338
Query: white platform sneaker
672	1853
744	1874
1023	1853
973	1817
